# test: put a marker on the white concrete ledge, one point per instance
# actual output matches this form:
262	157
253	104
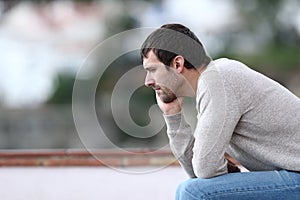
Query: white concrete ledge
89	183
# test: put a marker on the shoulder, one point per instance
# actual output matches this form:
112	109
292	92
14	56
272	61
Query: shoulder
219	81
221	70
225	65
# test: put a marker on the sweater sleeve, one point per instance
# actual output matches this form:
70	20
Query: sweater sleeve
201	153
181	141
218	115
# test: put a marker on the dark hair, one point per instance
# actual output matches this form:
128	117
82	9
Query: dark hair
171	40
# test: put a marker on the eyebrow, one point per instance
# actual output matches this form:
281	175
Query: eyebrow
149	67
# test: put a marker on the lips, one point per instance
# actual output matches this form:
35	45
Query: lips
156	88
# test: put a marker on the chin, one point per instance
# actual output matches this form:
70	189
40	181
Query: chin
168	99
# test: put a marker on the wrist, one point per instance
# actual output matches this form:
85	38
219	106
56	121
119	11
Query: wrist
172	111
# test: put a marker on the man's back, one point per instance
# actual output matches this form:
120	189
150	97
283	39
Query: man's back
267	136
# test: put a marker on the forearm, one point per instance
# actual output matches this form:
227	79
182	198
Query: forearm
184	156
181	141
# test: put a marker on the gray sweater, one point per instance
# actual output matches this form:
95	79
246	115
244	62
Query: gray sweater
243	113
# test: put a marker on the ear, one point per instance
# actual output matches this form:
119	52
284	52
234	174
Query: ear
178	63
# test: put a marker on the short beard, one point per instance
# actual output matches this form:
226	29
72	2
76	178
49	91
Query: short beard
168	97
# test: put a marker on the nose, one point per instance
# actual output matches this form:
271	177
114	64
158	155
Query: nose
149	82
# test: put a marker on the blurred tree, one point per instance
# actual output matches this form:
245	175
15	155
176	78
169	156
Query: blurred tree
64	88
140	101
8	5
256	14
269	37
280	49
120	22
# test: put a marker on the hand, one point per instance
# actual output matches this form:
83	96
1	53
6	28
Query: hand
170	108
232	168
232	164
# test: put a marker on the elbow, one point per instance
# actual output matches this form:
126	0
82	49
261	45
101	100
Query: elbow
204	174
205	171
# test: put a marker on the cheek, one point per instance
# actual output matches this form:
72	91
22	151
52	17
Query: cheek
169	80
162	78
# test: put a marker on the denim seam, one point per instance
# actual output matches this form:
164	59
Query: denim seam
245	190
240	190
196	198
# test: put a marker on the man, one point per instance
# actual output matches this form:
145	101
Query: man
240	112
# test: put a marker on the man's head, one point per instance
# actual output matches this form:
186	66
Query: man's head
166	53
171	40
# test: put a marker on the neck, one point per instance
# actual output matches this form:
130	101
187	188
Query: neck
191	83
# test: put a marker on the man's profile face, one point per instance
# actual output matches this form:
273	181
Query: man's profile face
161	79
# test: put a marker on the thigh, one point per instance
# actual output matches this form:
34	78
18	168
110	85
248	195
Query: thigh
269	185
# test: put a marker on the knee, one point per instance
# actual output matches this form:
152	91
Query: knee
189	190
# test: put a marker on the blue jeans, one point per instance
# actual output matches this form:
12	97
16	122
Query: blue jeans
268	185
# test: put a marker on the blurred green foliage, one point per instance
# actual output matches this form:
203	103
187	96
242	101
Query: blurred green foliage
280	55
276	58
258	13
63	91
283	48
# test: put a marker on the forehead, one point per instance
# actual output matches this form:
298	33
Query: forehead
151	61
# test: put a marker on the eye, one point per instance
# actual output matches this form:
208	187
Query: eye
152	70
